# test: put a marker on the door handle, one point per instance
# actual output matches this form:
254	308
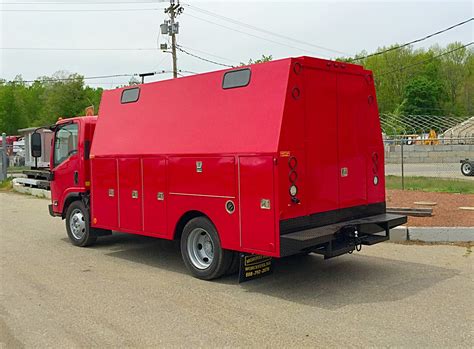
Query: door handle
76	177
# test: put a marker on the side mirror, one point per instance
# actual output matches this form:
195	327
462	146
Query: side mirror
36	145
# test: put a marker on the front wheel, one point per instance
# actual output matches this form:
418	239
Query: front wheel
467	169
77	225
201	250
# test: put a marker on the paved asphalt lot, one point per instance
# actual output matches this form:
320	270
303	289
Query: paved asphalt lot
134	291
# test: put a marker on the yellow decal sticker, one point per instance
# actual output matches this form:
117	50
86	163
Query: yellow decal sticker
253	266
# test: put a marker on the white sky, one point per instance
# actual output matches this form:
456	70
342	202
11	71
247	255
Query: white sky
349	26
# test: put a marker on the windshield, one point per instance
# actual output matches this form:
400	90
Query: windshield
65	143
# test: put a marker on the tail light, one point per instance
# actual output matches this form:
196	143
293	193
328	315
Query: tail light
375	168
293	177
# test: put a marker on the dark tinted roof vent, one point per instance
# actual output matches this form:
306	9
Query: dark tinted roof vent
130	95
236	78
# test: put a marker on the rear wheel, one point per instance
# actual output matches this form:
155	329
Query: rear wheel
201	250
77	225
467	169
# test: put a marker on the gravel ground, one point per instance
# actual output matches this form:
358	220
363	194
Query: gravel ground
134	291
446	213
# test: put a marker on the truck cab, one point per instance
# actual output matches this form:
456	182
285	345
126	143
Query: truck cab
70	162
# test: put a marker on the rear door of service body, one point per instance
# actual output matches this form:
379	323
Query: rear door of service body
335	145
352	114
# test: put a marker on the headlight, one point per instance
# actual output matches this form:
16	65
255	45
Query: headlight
293	190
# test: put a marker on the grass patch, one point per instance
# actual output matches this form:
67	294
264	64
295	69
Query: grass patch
17	169
6	184
440	185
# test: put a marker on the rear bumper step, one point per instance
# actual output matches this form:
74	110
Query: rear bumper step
335	239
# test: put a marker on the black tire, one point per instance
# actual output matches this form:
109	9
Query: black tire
85	236
221	259
467	168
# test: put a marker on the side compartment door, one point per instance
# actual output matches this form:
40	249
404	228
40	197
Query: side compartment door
257	203
104	193
154	191
130	194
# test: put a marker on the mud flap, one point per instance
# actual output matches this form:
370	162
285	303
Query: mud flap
253	266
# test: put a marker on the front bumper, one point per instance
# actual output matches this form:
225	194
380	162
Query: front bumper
335	239
51	212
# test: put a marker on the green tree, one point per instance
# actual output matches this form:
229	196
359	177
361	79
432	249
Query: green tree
43	101
262	59
64	96
456	75
12	106
421	97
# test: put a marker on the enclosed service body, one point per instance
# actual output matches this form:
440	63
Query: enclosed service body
277	158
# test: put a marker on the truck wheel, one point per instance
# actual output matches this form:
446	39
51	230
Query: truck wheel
466	169
201	250
77	225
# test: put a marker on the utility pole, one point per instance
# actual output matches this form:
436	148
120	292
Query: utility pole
171	28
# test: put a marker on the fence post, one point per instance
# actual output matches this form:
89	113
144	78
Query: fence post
403	167
3	173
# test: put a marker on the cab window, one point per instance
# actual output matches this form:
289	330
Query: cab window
65	143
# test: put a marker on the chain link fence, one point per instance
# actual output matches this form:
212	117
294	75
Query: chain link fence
407	158
426	146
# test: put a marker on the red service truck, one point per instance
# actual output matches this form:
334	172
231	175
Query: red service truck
272	159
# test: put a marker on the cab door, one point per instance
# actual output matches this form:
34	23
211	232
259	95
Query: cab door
65	164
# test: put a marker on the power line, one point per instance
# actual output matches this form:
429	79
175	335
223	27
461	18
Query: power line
103	49
414	41
426	60
82	3
80	77
249	34
188	71
202	58
83	10
192	7
101	77
207	53
78	49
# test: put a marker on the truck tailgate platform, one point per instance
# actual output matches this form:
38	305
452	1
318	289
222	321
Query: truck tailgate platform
317	239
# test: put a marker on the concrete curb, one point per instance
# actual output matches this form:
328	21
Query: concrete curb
40	193
432	234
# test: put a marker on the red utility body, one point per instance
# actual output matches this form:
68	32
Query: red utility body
187	147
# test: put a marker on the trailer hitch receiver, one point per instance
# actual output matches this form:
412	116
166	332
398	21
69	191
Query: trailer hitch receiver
352	234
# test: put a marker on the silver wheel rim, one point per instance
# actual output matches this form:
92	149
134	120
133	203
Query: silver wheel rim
466	168
77	224
200	248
